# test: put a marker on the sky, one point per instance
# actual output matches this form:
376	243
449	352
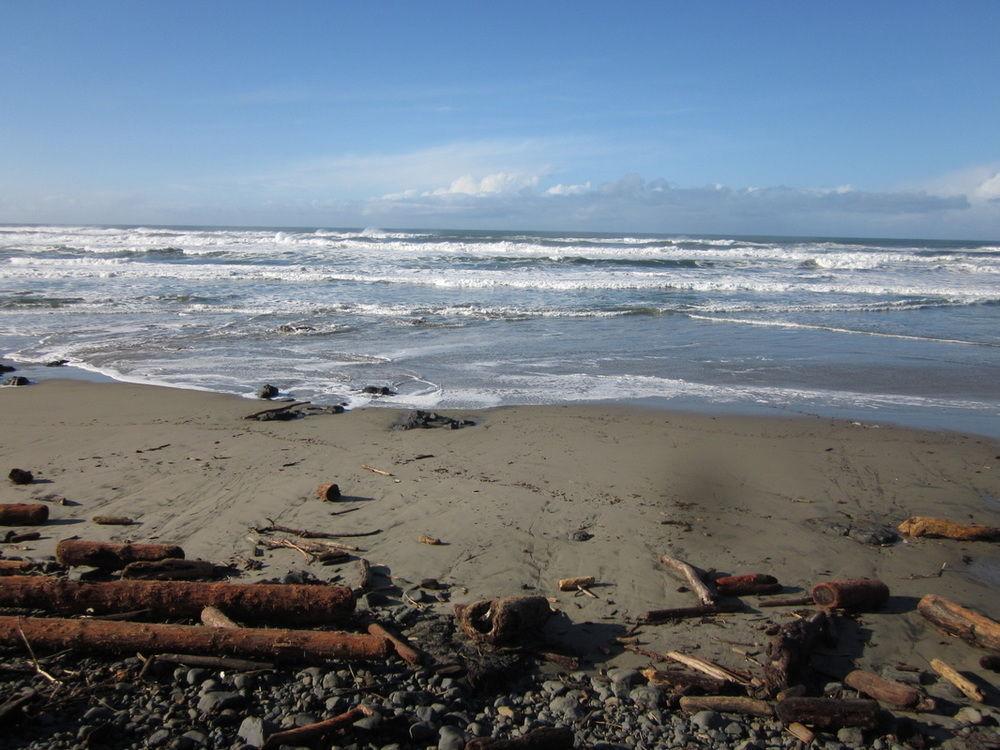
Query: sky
846	118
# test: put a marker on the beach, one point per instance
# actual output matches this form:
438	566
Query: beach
730	494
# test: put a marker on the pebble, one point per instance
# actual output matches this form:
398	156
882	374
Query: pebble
451	738
706	720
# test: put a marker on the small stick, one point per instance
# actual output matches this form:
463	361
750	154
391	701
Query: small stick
952	675
34	659
588	592
657	616
431	540
303	735
372	469
306	534
707	667
688	572
342	512
405	651
286	407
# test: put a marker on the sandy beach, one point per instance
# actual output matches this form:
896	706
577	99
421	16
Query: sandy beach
731	494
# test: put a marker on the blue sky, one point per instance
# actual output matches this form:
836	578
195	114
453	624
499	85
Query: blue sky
720	117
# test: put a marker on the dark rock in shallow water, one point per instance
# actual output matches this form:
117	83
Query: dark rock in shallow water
428	419
378	390
267	391
17	380
7	368
57	363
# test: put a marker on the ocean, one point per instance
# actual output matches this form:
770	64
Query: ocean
895	331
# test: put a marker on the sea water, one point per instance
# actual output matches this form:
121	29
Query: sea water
904	331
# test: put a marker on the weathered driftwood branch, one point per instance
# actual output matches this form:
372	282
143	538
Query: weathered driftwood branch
312	551
543	738
310	732
175	569
14	537
213	617
575	583
307	534
114	521
853	595
689	574
404	650
111	556
364	576
275	409
682	680
789	650
508	621
656	616
212	662
793	601
967	624
828	713
751	583
956	678
707	667
942	528
23	514
288	604
888	691
101	636
727	704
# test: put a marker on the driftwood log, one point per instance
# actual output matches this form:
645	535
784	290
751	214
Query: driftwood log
691	575
852	595
789	649
793	601
213	617
751	583
960	681
307	734
175	569
657	616
15	567
14	537
888	691
403	650
509	621
727	704
706	667
967	624
23	514
111	556
942	528
579	582
543	738
114	521
213	662
329	492
828	713
102	636
681	680
288	604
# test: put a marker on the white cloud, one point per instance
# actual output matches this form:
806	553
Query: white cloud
989	189
491	184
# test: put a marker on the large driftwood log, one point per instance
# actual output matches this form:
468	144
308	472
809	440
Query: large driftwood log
689	574
657	616
727	704
789	649
681	680
310	732
828	713
15	567
751	583
102	636
888	691
288	604
23	514
942	528
111	556
508	621
853	594
543	738
954	619
174	569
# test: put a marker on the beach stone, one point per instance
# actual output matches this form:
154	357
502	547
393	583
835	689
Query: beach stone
57	363
200	738
851	736
7	368
369	723
421	732
378	390
969	715
706	720
218	700
554	687
17	380
646	696
267	391
196	676
158	738
451	738
580	535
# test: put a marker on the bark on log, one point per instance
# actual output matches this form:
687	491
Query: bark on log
102	636
788	651
508	621
727	704
579	582
23	514
751	583
682	680
543	738
213	617
853	595
657	616
693	578
305	735
956	678
174	569
288	604
954	619
329	492
404	650
113	521
885	691
15	567
942	528
828	713
111	556
707	667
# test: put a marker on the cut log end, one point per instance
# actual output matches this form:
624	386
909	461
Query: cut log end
853	595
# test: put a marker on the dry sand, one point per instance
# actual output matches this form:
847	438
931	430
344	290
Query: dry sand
506	494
